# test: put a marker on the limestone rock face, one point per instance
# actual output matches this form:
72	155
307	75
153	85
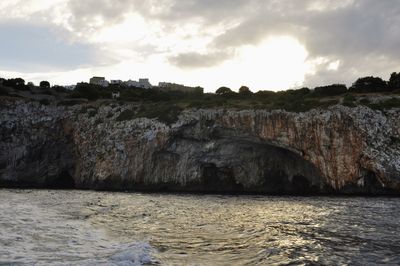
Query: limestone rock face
340	149
35	147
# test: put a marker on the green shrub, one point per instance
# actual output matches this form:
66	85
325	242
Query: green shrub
394	140
126	115
90	92
60	89
244	90
3	91
388	104
330	90
47	92
365	101
369	84
394	81
300	92
17	83
44	84
348	100
265	94
302	105
92	112
223	90
164	113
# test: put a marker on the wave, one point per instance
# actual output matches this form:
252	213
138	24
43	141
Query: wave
134	254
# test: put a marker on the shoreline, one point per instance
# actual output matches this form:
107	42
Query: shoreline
211	193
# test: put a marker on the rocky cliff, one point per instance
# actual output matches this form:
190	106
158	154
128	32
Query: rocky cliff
335	150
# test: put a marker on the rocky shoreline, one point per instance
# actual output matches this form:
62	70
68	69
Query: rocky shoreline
337	150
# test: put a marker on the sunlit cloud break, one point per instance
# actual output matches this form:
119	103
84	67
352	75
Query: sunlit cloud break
266	45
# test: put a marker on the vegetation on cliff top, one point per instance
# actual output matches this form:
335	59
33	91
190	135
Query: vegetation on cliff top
165	113
167	104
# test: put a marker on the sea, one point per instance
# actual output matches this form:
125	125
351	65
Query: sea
72	227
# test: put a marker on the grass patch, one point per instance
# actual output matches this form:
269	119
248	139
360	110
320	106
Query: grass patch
302	105
388	104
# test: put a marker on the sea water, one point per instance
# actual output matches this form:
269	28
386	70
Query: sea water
58	227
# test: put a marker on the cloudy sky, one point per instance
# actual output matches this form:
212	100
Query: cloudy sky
264	44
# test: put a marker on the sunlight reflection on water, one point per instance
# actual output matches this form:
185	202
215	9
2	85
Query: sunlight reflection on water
82	227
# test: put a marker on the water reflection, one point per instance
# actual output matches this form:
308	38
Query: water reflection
212	230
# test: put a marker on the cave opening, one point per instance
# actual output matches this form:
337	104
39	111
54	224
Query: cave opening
63	181
371	185
300	184
259	167
220	179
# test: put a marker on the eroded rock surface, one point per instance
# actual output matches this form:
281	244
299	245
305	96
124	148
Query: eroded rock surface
339	149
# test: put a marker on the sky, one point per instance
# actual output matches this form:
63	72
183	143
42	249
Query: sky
263	44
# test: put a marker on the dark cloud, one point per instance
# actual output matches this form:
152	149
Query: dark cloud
363	35
95	14
198	60
90	15
208	11
28	47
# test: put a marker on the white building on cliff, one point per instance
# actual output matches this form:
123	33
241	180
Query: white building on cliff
100	81
142	83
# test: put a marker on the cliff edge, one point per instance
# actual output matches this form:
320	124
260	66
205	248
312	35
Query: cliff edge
334	150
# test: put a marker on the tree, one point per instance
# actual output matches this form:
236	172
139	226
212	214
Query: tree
223	90
90	91
369	84
331	90
303	91
18	84
61	89
297	93
265	94
245	90
44	85
394	81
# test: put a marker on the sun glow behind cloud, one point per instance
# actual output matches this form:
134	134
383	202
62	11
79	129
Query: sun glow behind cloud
276	63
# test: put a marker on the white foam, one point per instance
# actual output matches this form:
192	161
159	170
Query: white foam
135	254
